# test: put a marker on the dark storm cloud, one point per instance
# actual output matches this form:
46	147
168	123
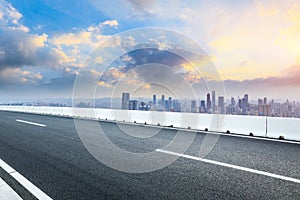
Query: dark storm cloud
18	49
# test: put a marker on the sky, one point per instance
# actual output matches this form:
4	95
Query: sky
186	47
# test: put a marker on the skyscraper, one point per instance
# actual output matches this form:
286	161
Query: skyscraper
163	101
265	101
208	103
213	96
232	102
133	104
202	108
221	105
142	106
193	106
245	106
170	104
154	99
176	106
125	100
232	106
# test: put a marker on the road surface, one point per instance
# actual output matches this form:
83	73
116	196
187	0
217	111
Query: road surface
48	153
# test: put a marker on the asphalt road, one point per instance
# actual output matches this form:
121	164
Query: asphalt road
54	159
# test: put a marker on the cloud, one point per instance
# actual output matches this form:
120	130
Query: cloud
9	17
82	37
144	66
20	49
75	46
17	76
113	23
137	10
90	36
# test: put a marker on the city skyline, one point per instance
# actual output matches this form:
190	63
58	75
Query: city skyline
236	106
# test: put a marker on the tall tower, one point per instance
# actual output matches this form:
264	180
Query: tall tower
125	100
163	103
213	101
202	108
154	99
265	101
170	103
193	106
221	104
208	103
246	104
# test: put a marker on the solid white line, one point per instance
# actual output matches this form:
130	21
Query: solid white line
6	192
230	166
24	182
32	123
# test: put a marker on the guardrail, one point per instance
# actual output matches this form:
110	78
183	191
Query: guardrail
288	128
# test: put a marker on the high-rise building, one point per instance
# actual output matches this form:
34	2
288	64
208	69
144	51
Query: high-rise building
167	105
202	108
154	99
133	105
240	103
193	106
232	106
232	102
246	97
163	101
213	100
170	103
260	109
265	101
221	105
264	110
142	106
267	110
245	104
125	100
176	106
208	103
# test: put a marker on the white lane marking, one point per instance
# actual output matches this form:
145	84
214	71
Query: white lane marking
24	182
32	123
6	192
230	166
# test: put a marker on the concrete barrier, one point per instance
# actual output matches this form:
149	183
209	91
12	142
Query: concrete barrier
245	125
289	128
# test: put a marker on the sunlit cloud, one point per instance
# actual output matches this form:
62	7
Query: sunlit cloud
19	76
68	39
113	23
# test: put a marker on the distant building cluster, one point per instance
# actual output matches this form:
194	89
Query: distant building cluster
213	104
242	106
162	104
210	104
